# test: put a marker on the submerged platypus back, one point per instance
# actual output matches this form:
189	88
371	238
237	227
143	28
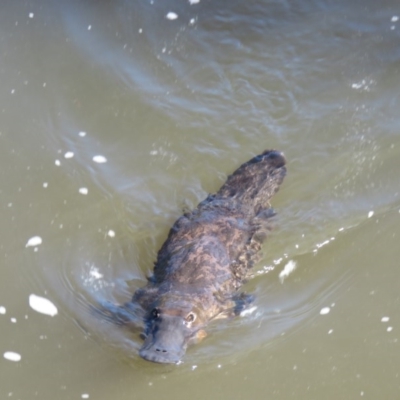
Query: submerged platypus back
206	259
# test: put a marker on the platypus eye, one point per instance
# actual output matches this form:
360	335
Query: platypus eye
190	317
155	313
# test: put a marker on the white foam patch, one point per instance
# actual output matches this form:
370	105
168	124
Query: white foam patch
325	310
45	185
395	18
82	134
363	85
194	1
287	270
389	328
171	15
248	311
99	159
385	319
42	305
31	15
57	162
370	214
94	273
94	278
111	233
12	356
83	191
3	310
85	396
34	241
69	154
322	244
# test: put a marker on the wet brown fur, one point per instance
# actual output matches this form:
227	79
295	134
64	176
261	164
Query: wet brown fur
204	262
209	251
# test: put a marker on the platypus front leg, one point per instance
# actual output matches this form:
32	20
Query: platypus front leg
235	305
126	314
242	302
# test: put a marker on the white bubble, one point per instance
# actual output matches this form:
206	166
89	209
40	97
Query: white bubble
12	356
385	319
82	134
287	270
172	16
2	310
69	154
45	185
42	305
31	15
57	162
111	233
34	241
389	328
89	27
395	18
325	310
370	214
83	190
99	159
85	396
194	1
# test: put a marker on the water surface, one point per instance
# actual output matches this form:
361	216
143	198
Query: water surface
174	96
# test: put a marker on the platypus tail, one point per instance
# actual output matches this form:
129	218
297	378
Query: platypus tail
256	181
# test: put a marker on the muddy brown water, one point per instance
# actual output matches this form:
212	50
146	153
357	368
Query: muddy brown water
174	96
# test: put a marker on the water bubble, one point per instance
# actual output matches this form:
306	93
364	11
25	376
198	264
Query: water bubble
42	305
99	159
34	241
171	16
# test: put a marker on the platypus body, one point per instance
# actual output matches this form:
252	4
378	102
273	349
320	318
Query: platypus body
206	258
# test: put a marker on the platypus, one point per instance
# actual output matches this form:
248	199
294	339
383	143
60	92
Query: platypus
206	259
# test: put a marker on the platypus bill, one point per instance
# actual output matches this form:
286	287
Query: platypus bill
206	259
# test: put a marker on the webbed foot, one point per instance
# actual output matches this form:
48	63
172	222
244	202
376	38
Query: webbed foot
118	314
242	302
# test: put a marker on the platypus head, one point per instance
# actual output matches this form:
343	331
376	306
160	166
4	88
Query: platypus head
170	327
